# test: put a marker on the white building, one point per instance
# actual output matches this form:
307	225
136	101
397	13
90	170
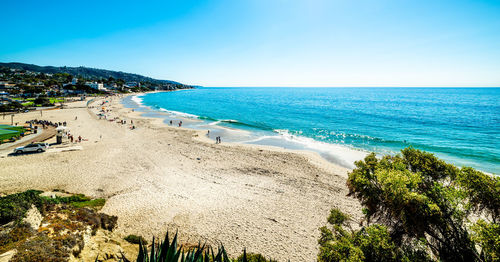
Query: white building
95	85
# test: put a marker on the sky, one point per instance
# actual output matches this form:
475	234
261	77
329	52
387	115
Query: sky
264	42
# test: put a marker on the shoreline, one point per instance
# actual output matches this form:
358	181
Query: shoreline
313	156
235	134
338	154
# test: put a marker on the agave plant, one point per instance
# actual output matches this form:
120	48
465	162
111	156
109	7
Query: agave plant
168	251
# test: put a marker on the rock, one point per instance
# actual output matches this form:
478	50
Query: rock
33	217
5	257
54	194
107	245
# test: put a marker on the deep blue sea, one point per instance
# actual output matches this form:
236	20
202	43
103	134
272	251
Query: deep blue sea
460	125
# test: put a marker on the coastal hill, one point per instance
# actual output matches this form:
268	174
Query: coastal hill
87	72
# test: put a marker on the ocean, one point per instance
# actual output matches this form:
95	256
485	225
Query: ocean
459	125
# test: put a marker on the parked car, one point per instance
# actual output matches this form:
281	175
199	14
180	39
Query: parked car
35	147
46	145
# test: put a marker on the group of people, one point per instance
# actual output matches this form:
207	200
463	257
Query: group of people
123	121
71	138
45	123
180	123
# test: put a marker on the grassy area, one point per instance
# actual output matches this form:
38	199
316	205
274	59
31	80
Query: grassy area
77	201
7	132
30	101
56	99
95	203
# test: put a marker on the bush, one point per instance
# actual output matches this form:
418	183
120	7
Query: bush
44	101
421	206
10	107
77	201
13	207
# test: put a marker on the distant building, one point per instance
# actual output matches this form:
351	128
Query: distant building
6	85
111	87
132	84
74	81
72	92
97	86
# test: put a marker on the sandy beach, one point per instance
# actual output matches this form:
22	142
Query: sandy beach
158	177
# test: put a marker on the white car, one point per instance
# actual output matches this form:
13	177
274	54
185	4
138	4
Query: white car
35	147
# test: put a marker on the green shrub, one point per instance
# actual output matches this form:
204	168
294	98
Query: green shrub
77	201
13	207
422	207
43	101
91	203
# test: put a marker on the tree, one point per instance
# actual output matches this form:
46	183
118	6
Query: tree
44	101
10	107
425	206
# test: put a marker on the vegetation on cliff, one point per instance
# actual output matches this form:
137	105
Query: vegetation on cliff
417	208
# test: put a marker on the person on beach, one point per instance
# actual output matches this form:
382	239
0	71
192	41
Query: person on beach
170	122
180	123
208	133
79	139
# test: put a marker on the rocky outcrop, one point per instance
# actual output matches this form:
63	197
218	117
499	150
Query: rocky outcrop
105	246
33	218
5	257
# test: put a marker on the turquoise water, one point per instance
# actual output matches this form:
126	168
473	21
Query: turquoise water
460	125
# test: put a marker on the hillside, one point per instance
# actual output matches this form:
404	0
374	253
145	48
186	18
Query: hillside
87	72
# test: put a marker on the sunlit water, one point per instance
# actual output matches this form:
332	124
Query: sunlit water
460	125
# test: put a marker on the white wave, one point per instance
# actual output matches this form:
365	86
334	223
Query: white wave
257	139
137	99
337	153
214	123
177	113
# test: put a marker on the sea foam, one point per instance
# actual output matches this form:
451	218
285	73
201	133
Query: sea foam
138	100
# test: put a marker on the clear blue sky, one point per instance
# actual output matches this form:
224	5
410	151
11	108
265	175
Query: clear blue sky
264	42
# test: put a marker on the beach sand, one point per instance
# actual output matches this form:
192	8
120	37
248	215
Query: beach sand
159	177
